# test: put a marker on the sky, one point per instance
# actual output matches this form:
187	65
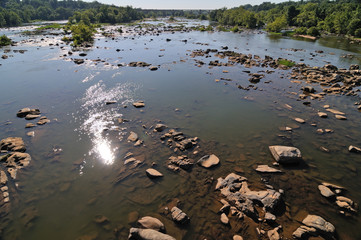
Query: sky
184	4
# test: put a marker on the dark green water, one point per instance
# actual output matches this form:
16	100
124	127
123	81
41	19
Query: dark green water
236	125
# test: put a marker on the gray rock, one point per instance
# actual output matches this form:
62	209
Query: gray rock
325	191
148	234
267	169
208	161
151	223
319	223
285	154
179	216
354	149
152	173
133	137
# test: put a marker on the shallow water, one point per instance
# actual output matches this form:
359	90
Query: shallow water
68	190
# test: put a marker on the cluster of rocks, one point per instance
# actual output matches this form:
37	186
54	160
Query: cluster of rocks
332	79
177	141
138	64
314	225
333	193
30	114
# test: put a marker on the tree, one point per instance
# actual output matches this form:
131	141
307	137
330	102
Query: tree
277	25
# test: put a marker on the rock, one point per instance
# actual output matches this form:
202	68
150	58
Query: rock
18	160
285	154
269	217
160	127
151	223
110	102
29	125
267	169
304	231
133	217
148	234
30	134
354	149
300	120
208	161
179	216
12	172
325	191
152	173
43	120
224	219
15	144
182	162
237	237
341	117
25	111
334	111
322	114
100	219
78	60
153	68
273	234
31	116
3	178
139	104
319	223
133	137
333	186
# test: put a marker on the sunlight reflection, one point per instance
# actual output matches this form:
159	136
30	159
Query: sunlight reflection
104	150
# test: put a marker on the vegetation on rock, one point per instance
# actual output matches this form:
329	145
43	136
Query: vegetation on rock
4	40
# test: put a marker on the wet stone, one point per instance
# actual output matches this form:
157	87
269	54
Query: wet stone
30	125
14	144
208	161
152	173
139	104
148	234
299	120
285	154
133	137
151	223
319	223
26	111
160	127
267	169
179	216
237	237
100	219
354	149
340	117
31	116
325	191
3	178
224	219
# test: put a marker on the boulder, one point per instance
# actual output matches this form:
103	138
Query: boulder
179	216
285	154
152	173
267	169
319	223
148	234
354	149
160	127
325	191
208	161
25	111
151	223
15	144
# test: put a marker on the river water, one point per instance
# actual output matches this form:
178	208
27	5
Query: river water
77	170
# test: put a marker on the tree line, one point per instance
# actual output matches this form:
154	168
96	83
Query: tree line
309	17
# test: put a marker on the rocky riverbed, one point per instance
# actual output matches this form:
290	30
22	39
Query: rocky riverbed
164	132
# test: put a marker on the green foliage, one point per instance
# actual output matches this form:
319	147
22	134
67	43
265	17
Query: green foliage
236	17
4	40
277	25
286	62
313	31
51	26
235	29
82	33
301	31
358	33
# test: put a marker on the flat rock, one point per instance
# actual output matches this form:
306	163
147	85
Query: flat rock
43	120
133	137
208	161
340	117
179	216
267	169
285	154
31	116
152	173
322	114
299	120
30	125
139	104
151	223
148	234
319	223
15	144
354	149
334	111
325	191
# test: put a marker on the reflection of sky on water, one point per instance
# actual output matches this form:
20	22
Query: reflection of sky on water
97	119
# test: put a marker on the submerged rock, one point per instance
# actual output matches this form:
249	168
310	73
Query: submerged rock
285	154
139	104
147	234
267	169
151	223
152	173
179	216
133	137
208	161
